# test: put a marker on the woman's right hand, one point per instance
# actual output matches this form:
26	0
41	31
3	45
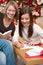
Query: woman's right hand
18	45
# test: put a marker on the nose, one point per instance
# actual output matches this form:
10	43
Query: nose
11	12
24	20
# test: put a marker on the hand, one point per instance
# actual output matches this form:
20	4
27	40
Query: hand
19	45
9	37
34	43
30	44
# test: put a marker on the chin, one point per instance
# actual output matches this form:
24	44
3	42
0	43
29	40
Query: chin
25	25
10	17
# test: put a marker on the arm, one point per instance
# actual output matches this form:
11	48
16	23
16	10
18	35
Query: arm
16	35
38	30
16	38
21	40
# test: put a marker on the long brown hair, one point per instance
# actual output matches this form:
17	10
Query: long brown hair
14	4
30	29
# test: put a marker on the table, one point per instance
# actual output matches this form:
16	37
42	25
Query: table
28	61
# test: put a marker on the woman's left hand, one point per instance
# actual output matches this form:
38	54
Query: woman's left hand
9	37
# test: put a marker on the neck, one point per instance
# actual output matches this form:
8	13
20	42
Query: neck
6	22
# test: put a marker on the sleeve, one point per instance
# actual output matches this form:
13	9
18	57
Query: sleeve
38	30
16	34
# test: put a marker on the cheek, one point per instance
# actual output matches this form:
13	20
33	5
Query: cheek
26	21
22	21
7	12
14	13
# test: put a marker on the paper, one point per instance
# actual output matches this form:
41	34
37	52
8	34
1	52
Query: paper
35	51
27	47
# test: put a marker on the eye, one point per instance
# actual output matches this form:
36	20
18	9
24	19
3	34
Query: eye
11	10
27	18
22	18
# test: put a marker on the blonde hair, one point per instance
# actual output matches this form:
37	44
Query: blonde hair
14	4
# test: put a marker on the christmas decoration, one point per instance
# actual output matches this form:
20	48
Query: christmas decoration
34	4
2	1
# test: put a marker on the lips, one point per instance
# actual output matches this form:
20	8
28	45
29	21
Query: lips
10	15
25	23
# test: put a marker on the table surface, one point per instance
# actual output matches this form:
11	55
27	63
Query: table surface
28	61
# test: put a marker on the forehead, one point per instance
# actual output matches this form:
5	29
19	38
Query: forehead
11	7
25	15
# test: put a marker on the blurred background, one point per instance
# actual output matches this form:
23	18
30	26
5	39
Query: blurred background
35	5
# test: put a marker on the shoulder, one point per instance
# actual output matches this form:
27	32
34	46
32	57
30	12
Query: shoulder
36	27
15	22
1	15
17	25
1	18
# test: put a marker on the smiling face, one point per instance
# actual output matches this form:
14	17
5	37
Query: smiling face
25	19
11	11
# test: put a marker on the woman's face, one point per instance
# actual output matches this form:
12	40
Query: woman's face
11	11
25	19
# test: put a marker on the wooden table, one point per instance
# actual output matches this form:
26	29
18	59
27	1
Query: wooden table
28	61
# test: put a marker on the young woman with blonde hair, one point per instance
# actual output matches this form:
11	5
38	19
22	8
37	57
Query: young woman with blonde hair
8	21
